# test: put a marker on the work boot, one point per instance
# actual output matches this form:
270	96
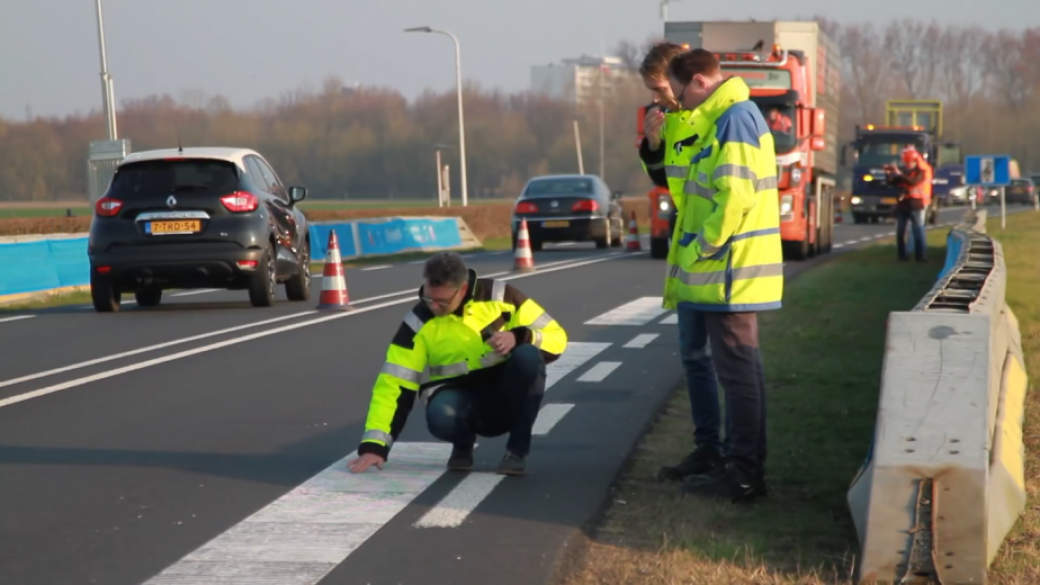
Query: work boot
699	462
512	465
461	458
734	484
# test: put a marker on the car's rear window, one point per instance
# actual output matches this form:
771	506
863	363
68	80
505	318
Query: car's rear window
558	187
172	176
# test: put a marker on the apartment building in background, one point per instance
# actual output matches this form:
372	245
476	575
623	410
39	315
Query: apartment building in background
578	80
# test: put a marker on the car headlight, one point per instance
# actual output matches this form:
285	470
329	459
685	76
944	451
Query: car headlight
786	204
664	202
857	200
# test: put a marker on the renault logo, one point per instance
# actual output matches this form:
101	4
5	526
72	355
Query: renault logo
171	201
555	203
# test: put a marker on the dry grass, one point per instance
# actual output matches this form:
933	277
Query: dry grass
1018	561
487	220
822	407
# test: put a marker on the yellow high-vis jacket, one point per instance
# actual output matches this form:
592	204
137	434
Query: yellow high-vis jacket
452	346
726	254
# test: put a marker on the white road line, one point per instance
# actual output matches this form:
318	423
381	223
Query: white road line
638	312
864	239
672	319
642	340
837	246
548	416
599	372
380	267
302	536
452	511
18	318
575	356
196	292
206	348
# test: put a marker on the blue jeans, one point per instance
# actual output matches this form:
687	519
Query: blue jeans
701	382
916	220
502	399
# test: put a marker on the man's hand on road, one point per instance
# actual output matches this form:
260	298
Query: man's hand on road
502	342
367	460
652	128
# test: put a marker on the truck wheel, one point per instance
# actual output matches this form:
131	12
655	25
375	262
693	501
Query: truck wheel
659	248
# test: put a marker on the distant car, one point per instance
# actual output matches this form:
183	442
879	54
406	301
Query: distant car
1020	191
197	218
569	208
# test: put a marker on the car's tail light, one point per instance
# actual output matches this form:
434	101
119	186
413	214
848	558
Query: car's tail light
526	207
585	205
104	269
107	207
247	264
240	202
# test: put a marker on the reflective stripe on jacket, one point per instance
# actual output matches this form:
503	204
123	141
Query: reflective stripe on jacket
727	254
452	346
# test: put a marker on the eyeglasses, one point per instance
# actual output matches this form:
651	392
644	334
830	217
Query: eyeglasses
440	303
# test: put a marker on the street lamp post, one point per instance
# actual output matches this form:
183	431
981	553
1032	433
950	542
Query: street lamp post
458	83
106	79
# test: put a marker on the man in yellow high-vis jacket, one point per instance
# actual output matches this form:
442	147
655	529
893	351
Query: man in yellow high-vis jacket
726	262
486	345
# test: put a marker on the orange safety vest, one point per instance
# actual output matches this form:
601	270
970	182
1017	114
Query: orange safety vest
922	190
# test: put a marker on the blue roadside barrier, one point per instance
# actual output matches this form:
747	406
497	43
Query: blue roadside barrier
60	263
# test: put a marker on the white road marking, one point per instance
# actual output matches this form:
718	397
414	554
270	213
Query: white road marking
599	372
548	416
838	246
302	536
638	312
380	267
642	340
18	318
672	319
453	510
207	348
576	354
196	292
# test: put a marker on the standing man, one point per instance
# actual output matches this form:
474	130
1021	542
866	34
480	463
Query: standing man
727	264
915	198
666	154
486	345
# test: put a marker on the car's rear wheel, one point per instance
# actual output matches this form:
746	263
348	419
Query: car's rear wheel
149	297
298	288
264	281
104	294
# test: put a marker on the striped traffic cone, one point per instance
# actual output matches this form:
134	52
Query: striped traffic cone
523	260
633	235
333	282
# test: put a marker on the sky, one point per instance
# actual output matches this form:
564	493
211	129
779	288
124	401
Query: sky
248	51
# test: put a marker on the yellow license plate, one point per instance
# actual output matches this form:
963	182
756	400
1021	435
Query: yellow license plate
184	226
555	224
889	200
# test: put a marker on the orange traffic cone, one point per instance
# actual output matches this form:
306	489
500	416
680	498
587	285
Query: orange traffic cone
523	259
633	235
838	215
333	282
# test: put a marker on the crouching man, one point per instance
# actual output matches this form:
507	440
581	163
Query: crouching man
486	346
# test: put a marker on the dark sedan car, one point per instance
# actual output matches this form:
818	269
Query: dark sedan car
1020	191
569	208
197	218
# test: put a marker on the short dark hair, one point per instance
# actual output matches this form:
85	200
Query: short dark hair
655	64
696	62
445	269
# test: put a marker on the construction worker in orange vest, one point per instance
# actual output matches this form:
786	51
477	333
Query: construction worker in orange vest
915	184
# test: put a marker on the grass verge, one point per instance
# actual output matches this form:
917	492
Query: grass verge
823	355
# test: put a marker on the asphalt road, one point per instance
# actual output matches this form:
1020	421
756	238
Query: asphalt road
204	441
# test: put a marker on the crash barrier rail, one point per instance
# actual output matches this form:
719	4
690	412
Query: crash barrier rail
38	265
944	480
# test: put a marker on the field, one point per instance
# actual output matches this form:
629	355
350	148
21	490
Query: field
822	406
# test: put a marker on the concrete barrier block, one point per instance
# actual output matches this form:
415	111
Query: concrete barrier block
1007	483
930	462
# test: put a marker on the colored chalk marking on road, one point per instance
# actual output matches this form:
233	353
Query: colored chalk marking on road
302	536
548	417
455	507
575	356
642	340
599	372
638	312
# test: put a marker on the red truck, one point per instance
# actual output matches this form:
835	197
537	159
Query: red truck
793	70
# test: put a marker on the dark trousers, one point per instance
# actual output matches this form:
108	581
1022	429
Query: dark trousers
736	361
915	217
503	399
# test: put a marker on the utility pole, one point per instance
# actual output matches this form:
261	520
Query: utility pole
106	79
